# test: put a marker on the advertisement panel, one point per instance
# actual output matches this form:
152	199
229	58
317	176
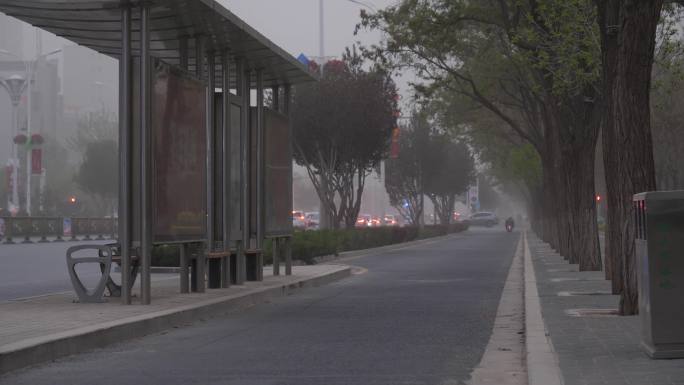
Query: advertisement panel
278	174
179	155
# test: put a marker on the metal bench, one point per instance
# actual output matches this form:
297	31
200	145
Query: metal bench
106	254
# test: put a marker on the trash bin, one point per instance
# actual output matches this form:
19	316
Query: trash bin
659	226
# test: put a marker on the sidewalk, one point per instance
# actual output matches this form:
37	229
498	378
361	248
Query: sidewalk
594	346
44	328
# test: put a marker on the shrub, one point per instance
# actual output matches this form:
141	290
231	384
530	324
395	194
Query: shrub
307	245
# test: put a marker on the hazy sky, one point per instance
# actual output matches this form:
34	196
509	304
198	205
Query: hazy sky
293	25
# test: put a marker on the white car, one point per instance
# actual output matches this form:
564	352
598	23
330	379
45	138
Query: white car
484	218
312	220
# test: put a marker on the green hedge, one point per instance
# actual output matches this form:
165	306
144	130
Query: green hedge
307	245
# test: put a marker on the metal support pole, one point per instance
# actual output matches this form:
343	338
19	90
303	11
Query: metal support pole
183	50
199	57
226	198
145	160
184	283
276	255
287	104
125	153
260	174
15	161
244	93
199	263
214	264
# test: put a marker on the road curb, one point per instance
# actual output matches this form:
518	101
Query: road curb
354	254
542	360
503	361
47	348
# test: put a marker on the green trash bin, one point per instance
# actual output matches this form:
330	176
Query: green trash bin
659	225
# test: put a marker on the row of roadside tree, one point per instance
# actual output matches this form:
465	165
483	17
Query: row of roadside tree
535	83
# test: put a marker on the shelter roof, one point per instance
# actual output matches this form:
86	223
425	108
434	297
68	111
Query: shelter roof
97	24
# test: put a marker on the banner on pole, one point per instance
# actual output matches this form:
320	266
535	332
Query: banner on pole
36	161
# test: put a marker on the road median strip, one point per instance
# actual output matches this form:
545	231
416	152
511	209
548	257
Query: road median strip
542	360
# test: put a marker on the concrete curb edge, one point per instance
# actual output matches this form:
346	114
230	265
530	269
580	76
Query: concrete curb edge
354	254
542	361
47	348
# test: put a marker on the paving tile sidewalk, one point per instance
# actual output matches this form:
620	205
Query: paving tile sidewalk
593	350
53	325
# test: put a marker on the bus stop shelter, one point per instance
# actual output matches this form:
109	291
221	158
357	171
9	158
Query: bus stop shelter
202	160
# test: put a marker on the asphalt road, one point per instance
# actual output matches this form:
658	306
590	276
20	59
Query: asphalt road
419	315
28	270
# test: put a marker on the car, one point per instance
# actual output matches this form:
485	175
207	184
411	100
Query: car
484	218
390	220
298	219
312	220
376	222
363	220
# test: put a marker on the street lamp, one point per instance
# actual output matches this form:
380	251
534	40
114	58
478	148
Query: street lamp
15	86
32	72
321	24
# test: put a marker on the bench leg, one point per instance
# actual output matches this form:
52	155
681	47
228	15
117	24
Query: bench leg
276	256
201	273
241	264
184	267
288	256
260	266
193	275
225	272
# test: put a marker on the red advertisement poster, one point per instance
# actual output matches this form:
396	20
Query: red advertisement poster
180	153
36	161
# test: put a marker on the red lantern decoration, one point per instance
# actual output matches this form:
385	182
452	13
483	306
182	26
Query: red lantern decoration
20	139
37	139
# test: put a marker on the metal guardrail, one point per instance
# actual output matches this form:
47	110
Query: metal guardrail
56	229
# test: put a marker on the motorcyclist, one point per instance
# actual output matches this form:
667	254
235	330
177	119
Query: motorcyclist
510	223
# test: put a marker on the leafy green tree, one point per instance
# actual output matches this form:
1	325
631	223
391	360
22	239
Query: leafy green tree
405	174
667	107
535	66
97	175
449	171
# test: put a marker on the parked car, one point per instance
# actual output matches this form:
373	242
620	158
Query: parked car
312	220
390	220
298	219
363	220
484	218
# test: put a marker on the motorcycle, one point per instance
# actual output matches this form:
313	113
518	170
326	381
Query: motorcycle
509	227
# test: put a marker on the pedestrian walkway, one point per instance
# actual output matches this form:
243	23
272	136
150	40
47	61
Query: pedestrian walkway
594	345
43	328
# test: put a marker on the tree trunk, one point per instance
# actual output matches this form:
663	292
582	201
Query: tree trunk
608	19
584	245
627	140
